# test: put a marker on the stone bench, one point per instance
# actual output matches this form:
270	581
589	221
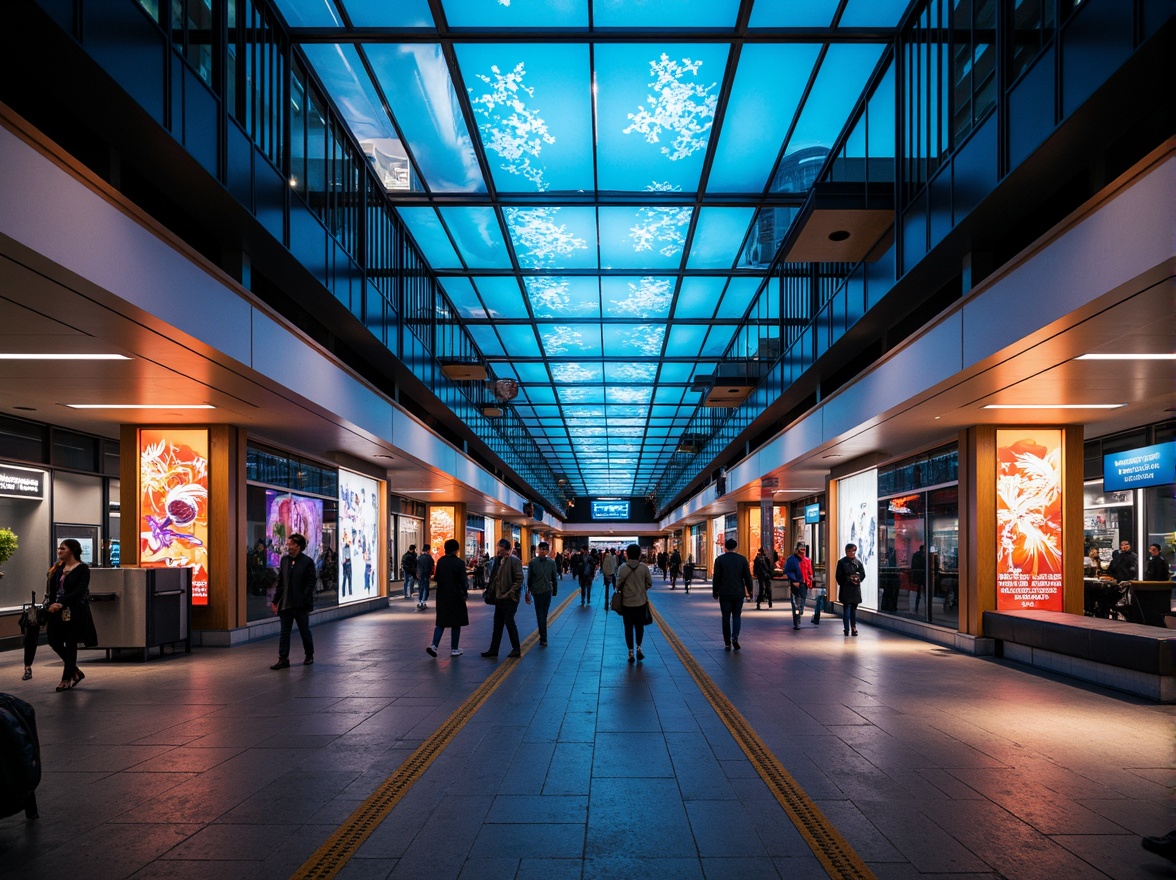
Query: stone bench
1131	657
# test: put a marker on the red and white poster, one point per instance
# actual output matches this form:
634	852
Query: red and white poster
1029	520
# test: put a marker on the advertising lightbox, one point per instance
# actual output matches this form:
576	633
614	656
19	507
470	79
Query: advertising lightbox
1029	520
359	549
610	509
173	503
1139	468
857	523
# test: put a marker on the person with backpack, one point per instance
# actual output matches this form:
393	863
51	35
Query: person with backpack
424	574
762	569
587	575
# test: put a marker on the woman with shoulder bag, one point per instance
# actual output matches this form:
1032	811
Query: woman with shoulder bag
70	622
633	584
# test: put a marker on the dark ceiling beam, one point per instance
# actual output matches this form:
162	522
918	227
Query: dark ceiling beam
583	35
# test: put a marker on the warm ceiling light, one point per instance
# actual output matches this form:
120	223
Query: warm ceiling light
63	356
1127	357
1053	405
140	406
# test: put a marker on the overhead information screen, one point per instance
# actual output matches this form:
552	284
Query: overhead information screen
610	509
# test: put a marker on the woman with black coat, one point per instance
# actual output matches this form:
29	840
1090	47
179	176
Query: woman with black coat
452	588
68	594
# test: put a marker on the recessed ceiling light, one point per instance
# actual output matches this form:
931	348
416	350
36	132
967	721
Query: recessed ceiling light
1053	405
1127	357
419	491
63	356
26	408
383	455
140	406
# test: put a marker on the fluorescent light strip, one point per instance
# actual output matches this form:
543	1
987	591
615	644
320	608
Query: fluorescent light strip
140	406
1053	406
10	356
1126	357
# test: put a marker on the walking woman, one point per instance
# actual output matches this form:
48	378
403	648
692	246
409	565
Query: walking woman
69	611
633	583
452	588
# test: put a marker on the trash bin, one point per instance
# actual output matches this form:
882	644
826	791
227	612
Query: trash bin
141	608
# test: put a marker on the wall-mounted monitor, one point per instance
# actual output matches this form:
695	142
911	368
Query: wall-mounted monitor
610	509
812	513
1137	468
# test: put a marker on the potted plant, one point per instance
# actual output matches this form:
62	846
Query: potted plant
8	545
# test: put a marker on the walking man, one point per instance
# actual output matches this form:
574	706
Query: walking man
452	588
293	599
763	574
799	571
542	587
408	566
849	575
730	584
608	568
424	574
506	580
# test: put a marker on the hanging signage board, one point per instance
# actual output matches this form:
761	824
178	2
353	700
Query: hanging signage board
18	482
1138	468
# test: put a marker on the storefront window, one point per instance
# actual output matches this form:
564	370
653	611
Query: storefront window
410	531
1107	519
918	555
475	536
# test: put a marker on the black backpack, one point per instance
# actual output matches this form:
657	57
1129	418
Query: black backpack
20	757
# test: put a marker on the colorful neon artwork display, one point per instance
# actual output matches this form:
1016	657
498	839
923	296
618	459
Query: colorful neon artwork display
173	503
287	514
1029	520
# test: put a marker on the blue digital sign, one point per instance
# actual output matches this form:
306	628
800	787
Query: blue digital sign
610	509
1137	468
812	513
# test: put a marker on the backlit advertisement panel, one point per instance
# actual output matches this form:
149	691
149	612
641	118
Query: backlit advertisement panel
173	503
442	527
1029	520
359	549
288	514
857	523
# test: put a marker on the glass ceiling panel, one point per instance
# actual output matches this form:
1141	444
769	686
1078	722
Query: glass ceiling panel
519	340
699	297
769	83
839	84
487	340
502	296
655	105
351	89
618	373
717	341
533	107
430	237
649	238
640	341
480	13
463	296
686	339
553	238
415	79
563	340
309	13
738	297
646	297
478	237
873	13
576	373
718	238
381	13
541	394
809	13
655	13
676	373
570	297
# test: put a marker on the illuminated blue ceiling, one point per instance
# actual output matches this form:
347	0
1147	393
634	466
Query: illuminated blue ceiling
601	196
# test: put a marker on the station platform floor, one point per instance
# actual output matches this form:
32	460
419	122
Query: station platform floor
917	761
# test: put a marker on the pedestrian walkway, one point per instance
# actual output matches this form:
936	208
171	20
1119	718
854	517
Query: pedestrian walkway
928	763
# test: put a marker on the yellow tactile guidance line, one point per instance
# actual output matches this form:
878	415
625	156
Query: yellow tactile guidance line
834	852
329	859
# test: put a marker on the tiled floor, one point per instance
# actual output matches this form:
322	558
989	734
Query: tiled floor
931	763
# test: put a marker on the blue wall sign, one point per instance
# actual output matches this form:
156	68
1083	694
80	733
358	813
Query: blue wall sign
1137	468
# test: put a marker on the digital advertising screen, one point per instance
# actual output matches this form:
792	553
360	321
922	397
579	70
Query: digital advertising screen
359	548
857	523
1029	520
610	509
288	514
173	503
1139	468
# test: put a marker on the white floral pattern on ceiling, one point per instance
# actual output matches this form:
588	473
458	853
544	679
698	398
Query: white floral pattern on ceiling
510	129
682	108
537	233
650	297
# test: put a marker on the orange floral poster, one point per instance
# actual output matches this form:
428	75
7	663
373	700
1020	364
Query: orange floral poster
173	503
442	527
1029	520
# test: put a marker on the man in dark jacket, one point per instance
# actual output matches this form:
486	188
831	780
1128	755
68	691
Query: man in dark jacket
849	576
506	580
1124	563
293	599
763	574
424	574
408	568
730	584
542	585
452	587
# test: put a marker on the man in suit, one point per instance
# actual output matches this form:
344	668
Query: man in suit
729	586
293	599
506	580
